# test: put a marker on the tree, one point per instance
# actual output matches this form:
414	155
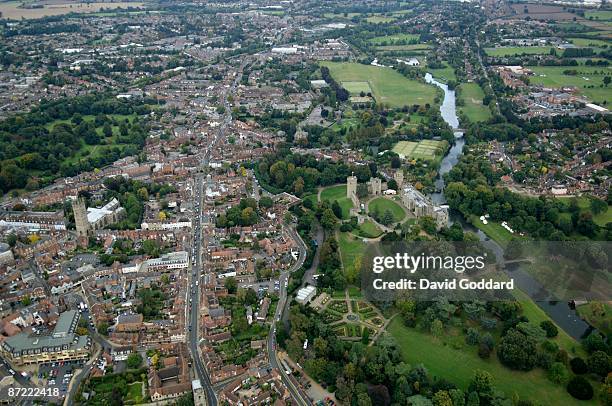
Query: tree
597	205
517	350
557	373
328	219
230	284
265	202
550	328
580	388
599	363
578	366
387	217
442	398
134	360
337	209
103	328
606	80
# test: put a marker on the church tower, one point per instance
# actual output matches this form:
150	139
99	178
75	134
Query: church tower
83	227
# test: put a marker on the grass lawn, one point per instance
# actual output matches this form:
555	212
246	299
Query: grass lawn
354	292
134	394
382	204
472	95
459	365
494	230
586	80
444	74
338	193
351	249
597	314
394	39
368	230
511	51
425	149
388	86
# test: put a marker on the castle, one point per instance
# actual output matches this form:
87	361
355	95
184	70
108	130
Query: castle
417	204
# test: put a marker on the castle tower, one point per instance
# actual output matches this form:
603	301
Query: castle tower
351	186
83	227
399	178
375	186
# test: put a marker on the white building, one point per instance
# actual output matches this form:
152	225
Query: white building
305	294
167	262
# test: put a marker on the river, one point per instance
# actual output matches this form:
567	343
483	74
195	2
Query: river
560	312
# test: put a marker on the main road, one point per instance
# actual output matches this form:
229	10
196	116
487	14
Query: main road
296	393
197	270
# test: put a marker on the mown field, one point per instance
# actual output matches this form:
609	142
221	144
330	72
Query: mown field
472	95
382	204
388	86
588	80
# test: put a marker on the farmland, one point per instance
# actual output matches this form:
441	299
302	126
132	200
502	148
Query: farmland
388	86
13	11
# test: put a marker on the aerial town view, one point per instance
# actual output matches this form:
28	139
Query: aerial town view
306	202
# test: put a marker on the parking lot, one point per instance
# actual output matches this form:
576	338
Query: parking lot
57	374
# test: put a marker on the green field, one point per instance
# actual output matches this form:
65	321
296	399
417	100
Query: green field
444	74
458	366
494	231
409	47
601	15
134	395
338	15
357	87
368	229
388	86
424	149
351	249
393	39
338	193
589	42
383	204
511	51
586	80
472	95
379	19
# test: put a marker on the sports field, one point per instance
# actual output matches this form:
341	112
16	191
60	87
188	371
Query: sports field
388	86
511	51
379	19
424	149
588	80
472	95
357	87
